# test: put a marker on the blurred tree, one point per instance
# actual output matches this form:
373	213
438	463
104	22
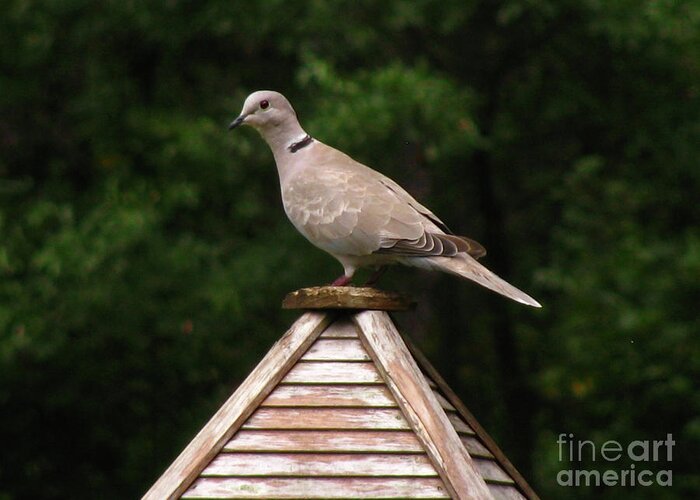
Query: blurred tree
136	257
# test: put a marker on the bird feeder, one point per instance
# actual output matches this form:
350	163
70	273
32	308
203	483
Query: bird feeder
342	406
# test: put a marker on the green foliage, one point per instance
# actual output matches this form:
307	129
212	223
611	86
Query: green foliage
144	252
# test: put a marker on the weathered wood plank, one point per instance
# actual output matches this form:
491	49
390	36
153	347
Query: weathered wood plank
326	418
491	471
333	372
336	350
505	492
418	402
475	447
325	441
459	424
331	395
444	403
484	436
341	328
315	488
346	297
319	464
239	406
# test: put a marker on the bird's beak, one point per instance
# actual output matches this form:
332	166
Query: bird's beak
235	123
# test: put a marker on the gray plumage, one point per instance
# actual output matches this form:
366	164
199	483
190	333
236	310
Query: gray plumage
359	216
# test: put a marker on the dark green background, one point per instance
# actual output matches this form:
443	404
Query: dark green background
144	251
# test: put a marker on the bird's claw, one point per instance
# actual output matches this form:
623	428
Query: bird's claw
341	281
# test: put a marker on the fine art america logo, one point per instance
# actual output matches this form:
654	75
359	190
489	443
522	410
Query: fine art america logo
639	463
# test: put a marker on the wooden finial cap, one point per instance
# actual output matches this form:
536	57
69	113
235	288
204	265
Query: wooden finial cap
347	297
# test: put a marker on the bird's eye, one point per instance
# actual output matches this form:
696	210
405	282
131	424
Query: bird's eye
264	104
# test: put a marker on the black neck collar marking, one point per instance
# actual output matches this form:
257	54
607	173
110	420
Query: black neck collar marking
296	146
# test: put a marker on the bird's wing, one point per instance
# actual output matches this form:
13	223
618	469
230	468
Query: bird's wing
346	208
407	198
432	244
443	242
347	212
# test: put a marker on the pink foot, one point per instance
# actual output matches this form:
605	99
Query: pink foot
341	281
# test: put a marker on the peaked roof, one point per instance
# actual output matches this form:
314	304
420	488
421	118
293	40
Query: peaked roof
341	407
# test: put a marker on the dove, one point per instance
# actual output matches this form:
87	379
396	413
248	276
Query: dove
356	214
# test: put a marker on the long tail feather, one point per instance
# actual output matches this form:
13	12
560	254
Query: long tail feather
467	267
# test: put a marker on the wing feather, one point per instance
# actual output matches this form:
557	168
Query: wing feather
346	208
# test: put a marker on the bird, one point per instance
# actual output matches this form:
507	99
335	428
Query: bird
356	214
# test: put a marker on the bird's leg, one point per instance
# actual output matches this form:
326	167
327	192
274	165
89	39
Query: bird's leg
378	273
341	281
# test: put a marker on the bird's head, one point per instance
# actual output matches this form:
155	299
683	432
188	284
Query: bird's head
265	110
